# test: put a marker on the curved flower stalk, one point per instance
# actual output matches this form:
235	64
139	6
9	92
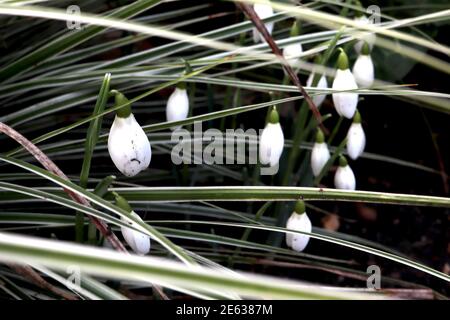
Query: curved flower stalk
370	38
139	242
128	144
263	10
292	51
320	154
298	221
344	177
363	69
356	139
271	142
178	105
344	102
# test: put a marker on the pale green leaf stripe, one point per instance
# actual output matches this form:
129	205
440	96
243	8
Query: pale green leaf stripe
356	246
330	21
341	242
106	263
250	193
71	39
137	223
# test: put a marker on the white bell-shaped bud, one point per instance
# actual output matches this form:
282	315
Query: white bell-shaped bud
363	69
319	154
344	102
368	37
128	145
356	138
271	142
344	177
263	10
322	84
178	105
298	221
291	52
138	241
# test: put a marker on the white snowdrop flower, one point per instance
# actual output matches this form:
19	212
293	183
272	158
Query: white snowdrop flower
178	105
322	84
128	144
363	69
271	142
298	221
139	242
292	51
356	139
344	102
263	10
344	177
368	37
320	154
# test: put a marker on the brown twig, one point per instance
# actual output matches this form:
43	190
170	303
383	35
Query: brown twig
28	273
251	14
52	167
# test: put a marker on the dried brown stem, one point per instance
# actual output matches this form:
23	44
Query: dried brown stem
53	168
28	273
251	14
100	225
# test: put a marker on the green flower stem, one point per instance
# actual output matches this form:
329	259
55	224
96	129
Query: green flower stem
91	140
335	130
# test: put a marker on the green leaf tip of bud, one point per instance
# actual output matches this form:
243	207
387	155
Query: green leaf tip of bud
300	207
359	13
357	117
295	29
181	85
365	49
320	137
342	61
343	161
121	202
274	117
120	99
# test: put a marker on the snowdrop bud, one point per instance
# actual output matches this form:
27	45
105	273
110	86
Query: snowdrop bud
363	69
263	10
320	154
298	221
292	51
344	177
271	142
356	139
361	19
128	144
344	102
322	84
178	105
139	242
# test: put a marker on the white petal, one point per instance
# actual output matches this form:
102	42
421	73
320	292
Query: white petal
319	157
356	140
139	242
298	222
128	146
345	102
370	38
271	144
345	178
292	51
263	11
363	71
322	84
177	106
